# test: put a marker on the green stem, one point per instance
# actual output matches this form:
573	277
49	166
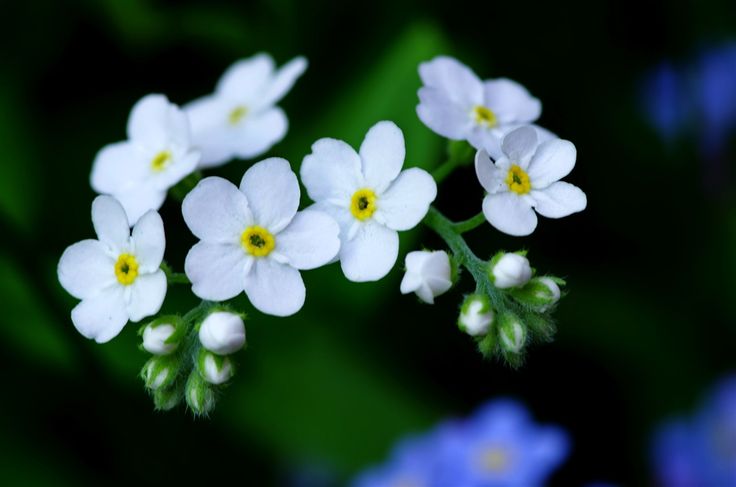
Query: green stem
174	277
444	170
465	257
469	224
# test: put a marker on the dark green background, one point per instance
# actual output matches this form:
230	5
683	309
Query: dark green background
648	324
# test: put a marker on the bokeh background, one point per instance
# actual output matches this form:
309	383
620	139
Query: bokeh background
647	327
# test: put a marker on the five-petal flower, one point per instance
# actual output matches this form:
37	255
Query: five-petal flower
525	179
254	240
240	118
158	154
117	277
456	104
370	197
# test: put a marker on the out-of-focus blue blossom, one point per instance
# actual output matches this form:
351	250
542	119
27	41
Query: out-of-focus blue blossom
698	98
700	451
500	445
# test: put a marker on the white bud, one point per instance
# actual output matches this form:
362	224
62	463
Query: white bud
554	292
476	315
222	333
158	373
510	270
199	395
155	336
512	334
215	369
428	274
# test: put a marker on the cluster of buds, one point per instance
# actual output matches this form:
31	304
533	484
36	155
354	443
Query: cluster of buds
191	362
519	310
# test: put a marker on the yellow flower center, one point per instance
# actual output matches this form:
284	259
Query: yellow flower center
518	180
258	241
494	460
484	116
161	161
363	204
237	114
126	269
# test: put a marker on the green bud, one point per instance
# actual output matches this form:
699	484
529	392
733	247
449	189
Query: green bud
511	333
160	372
167	398
199	395
541	293
476	315
214	368
163	335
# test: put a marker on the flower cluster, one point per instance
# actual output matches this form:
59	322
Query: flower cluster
700	450
499	445
255	240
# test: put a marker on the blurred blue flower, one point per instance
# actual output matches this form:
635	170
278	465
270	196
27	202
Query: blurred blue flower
698	97
500	445
700	451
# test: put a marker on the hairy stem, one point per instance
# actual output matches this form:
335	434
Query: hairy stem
174	277
469	224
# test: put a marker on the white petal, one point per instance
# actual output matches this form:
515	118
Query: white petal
442	115
510	214
211	131
486	139
410	283
519	145
275	289
371	254
149	242
311	240
407	200
118	167
217	271
273	193
491	177
282	81
110	222
259	133
216	211
138	201
510	101
182	165
147	295
101	317
553	161
86	268
382	153
454	79
332	171
156	123
247	78
559	199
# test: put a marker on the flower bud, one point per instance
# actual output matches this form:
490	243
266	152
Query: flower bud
511	333
222	333
476	315
199	395
509	270
428	274
215	369
541	293
159	372
157	338
165	399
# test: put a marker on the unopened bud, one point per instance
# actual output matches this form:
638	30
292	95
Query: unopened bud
222	333
215	369
165	399
476	315
160	337
428	274
541	293
511	333
507	270
199	395
159	372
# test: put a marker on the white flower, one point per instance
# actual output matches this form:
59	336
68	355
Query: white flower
215	369
117	277
155	338
510	270
428	274
369	196
525	179
254	240
158	154
240	118
476	315
222	333
456	104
